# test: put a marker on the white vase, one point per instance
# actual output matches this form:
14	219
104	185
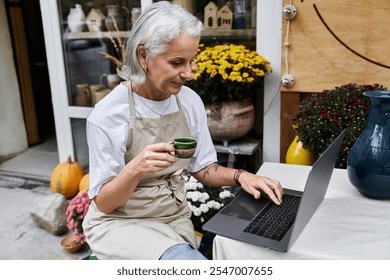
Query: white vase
76	19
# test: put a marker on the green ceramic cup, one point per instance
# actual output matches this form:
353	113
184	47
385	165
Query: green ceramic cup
184	147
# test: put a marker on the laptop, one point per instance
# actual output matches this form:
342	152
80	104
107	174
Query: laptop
263	223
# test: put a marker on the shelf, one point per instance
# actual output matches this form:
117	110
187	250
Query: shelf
227	33
207	33
79	112
95	35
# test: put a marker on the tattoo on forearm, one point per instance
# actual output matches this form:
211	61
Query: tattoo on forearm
207	169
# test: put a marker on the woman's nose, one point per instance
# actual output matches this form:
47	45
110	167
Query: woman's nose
187	73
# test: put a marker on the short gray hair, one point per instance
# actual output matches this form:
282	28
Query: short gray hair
158	25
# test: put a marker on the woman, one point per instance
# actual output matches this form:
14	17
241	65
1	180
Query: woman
139	208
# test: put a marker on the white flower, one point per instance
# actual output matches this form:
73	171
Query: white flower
204	208
190	206
204	201
214	204
196	211
195	195
192	179
191	186
225	194
203	197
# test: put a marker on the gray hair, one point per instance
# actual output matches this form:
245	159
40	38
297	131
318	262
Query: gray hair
158	25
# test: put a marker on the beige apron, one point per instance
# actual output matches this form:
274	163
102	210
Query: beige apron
156	216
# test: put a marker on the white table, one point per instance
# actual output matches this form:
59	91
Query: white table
346	226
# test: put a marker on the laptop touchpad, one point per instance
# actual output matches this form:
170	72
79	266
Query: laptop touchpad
245	206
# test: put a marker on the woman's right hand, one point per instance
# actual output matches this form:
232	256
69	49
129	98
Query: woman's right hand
153	158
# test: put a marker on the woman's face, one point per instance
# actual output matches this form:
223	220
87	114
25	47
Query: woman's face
167	72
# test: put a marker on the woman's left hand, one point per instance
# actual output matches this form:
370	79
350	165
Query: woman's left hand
261	185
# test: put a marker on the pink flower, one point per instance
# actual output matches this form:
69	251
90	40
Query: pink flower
76	211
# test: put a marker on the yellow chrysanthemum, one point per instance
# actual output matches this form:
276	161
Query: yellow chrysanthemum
227	68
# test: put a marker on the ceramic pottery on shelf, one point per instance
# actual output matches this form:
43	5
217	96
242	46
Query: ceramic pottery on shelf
368	163
230	120
76	19
115	16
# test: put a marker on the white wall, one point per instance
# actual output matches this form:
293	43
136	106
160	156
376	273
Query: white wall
269	44
13	138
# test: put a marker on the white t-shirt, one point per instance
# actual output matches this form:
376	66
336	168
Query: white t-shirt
107	131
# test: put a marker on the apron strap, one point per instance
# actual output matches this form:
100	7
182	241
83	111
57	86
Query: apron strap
173	182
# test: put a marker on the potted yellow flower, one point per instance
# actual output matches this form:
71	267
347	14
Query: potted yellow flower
226	78
228	72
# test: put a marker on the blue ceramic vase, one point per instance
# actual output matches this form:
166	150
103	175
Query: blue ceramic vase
368	163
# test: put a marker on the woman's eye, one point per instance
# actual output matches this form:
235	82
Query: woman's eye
176	63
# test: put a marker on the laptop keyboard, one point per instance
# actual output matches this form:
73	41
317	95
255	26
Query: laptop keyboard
274	221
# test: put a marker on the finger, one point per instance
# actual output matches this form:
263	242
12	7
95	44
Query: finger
156	165
164	157
161	164
269	188
274	190
271	195
253	191
161	147
276	186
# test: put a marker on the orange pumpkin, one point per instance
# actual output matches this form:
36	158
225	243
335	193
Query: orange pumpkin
66	178
84	183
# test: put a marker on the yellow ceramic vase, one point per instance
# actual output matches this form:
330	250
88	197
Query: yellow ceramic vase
297	154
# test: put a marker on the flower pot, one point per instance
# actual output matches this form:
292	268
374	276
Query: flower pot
297	154
71	244
230	120
368	163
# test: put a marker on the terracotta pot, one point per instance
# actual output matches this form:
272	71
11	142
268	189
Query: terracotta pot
71	244
230	120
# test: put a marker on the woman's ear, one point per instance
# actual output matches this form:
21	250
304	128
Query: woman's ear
142	56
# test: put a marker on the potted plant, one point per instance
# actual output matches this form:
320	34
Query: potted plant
205	202
324	115
75	213
226	77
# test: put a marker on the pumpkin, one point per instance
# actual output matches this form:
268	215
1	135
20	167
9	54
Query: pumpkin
66	178
84	183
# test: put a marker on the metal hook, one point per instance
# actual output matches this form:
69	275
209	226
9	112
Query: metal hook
287	81
289	12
